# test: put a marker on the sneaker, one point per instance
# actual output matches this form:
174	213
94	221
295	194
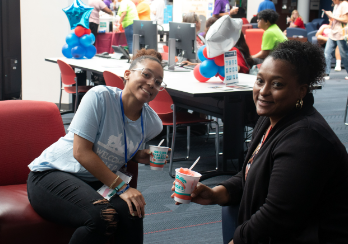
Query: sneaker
327	77
338	68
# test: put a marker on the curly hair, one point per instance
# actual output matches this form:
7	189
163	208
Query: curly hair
268	15
307	61
144	54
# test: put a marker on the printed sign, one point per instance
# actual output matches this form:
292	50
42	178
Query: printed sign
231	68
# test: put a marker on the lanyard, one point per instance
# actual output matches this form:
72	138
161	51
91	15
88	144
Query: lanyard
125	136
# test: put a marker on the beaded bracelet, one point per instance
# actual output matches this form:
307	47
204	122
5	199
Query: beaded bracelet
125	189
112	184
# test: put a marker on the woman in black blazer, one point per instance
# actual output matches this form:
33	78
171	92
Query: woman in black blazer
293	187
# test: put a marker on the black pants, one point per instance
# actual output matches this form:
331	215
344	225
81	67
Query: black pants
94	29
63	198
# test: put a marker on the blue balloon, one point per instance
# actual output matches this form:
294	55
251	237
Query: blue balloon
66	50
208	68
86	40
221	70
78	14
72	40
78	52
200	54
90	51
93	37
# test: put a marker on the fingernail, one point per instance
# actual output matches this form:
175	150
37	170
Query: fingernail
140	216
133	214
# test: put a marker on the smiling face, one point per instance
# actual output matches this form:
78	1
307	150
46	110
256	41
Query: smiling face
276	89
137	83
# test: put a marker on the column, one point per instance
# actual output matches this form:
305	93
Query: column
303	9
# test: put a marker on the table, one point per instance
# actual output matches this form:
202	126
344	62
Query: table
301	39
188	93
104	41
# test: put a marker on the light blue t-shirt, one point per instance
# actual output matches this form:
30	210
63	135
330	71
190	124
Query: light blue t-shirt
99	120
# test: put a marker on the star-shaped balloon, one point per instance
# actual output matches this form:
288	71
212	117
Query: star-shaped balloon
78	14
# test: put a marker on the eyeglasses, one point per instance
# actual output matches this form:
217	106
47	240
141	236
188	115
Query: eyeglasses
148	75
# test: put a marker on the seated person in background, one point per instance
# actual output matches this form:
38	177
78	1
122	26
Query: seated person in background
293	186
64	179
209	23
253	19
192	17
271	37
295	21
322	36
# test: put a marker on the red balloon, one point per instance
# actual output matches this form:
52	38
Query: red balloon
79	31
219	60
205	53
198	75
221	78
87	31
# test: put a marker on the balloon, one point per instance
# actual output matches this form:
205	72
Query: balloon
221	71
221	78
78	52
208	68
86	40
88	31
79	31
78	14
90	51
93	37
72	40
200	53
219	60
205	53
66	50
198	75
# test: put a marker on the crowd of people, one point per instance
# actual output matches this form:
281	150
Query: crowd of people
293	186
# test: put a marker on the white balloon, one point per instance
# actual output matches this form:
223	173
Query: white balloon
223	35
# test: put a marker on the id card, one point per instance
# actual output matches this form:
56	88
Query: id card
108	193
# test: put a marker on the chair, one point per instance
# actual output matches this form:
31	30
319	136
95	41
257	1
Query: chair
311	27
113	80
255	25
245	27
290	32
68	78
245	21
229	221
165	108
310	36
27	128
319	21
253	38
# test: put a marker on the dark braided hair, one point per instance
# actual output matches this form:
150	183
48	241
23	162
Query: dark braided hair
307	61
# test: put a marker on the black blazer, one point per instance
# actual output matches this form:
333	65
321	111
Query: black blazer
297	187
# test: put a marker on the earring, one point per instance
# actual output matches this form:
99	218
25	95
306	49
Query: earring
299	103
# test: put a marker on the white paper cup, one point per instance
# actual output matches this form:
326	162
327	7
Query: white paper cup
184	186
158	157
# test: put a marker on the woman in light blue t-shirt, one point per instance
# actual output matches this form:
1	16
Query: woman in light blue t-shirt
64	179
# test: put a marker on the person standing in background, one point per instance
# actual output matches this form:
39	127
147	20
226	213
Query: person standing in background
143	9
94	18
128	13
157	11
107	2
266	4
114	6
222	7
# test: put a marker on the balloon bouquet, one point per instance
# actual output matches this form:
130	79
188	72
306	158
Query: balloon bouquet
221	37
79	43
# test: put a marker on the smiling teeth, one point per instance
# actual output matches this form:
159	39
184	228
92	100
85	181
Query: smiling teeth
146	91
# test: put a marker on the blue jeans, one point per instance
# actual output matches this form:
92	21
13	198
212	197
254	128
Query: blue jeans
63	198
128	31
229	222
330	47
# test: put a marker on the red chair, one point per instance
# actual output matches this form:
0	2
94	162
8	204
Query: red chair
245	27
68	78
245	21
165	108
253	38
113	80
27	128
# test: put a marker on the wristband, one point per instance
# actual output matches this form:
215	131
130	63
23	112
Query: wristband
117	188
112	184
125	189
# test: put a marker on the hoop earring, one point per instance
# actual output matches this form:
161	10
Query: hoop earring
299	103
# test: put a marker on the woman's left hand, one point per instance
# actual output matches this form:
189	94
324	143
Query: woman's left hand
143	156
231	242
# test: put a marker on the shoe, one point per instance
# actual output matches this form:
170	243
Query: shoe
327	77
337	68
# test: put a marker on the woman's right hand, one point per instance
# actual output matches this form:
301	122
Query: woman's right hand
134	196
202	194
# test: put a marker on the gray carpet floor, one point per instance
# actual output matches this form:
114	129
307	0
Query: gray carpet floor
192	223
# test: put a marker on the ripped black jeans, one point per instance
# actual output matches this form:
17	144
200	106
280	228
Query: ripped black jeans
63	198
